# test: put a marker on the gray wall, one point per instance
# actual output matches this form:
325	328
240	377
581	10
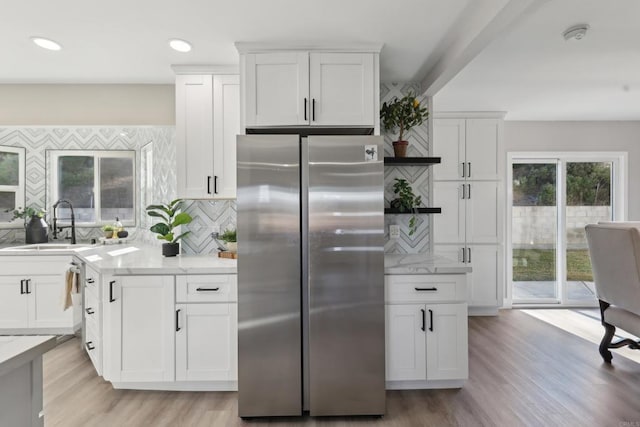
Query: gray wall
582	136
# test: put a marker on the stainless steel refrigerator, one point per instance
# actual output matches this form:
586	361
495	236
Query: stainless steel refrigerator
310	275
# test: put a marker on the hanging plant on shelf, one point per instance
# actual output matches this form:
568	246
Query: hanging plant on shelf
404	114
406	201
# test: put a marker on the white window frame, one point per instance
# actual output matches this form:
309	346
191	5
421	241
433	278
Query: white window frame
619	195
18	189
97	155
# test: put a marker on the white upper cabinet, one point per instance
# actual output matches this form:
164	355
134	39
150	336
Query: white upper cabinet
482	148
307	87
449	145
277	89
207	122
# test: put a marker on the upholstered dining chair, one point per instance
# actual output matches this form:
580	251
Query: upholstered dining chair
614	249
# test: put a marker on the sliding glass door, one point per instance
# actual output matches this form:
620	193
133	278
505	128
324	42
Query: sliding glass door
552	198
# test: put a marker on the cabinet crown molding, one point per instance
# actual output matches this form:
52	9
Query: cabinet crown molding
180	69
256	47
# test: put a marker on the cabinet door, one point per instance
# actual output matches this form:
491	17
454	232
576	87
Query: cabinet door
277	89
194	136
342	89
483	214
449	226
141	328
449	143
485	282
13	303
447	345
483	148
46	308
405	340
206	342
226	126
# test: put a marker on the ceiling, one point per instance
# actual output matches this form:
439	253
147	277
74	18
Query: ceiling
532	73
516	63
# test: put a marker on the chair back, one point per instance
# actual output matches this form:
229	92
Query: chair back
615	259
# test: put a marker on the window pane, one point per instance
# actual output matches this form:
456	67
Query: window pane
116	189
75	184
9	169
7	203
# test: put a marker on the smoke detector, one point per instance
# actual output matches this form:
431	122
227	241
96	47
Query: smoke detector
577	32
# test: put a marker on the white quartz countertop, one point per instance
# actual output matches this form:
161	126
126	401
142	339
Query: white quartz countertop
15	351
425	263
133	259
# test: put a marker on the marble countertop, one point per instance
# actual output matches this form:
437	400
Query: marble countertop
425	263
15	351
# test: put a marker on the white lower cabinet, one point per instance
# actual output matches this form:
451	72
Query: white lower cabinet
13	303
139	328
426	331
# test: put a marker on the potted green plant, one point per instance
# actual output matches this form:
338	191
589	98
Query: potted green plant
171	217
406	201
36	228
108	231
404	114
229	237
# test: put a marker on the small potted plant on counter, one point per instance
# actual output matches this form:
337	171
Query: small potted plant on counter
171	218
36	228
406	201
230	240
108	231
404	114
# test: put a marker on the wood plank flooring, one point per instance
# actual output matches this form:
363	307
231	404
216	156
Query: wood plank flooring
523	372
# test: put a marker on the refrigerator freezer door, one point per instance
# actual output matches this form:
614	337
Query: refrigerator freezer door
269	263
346	275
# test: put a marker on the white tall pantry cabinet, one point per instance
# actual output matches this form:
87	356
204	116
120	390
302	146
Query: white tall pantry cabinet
468	186
207	122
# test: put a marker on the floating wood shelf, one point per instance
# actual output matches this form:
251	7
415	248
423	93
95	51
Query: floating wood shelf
412	161
420	211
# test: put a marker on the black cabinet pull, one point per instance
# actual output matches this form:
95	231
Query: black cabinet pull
426	289
22	292
423	319
464	171
431	320
215	184
90	310
313	110
208	185
464	256
469	250
111	283
207	289
469	192
177	320
305	109
90	280
27	283
89	345
469	170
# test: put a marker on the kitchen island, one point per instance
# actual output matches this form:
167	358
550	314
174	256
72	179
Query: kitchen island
21	379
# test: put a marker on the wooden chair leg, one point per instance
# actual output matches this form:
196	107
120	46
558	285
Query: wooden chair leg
609	332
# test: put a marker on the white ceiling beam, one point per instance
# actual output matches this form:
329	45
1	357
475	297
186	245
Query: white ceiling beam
480	23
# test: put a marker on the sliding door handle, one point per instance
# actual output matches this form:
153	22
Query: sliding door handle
423	319
430	320
111	283
178	320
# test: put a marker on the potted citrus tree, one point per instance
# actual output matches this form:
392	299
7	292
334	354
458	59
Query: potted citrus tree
403	114
171	217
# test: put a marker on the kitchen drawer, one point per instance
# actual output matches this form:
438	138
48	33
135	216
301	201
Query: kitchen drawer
92	309
92	280
34	265
420	288
93	346
207	288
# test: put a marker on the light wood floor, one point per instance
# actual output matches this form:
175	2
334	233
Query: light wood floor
523	372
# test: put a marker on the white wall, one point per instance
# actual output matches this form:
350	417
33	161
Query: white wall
60	105
582	136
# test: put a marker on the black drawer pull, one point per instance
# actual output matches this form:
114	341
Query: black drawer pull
90	310
89	345
426	289
90	280
111	298
207	289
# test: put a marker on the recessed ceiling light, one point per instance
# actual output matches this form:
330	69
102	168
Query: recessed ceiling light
180	45
577	32
46	43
